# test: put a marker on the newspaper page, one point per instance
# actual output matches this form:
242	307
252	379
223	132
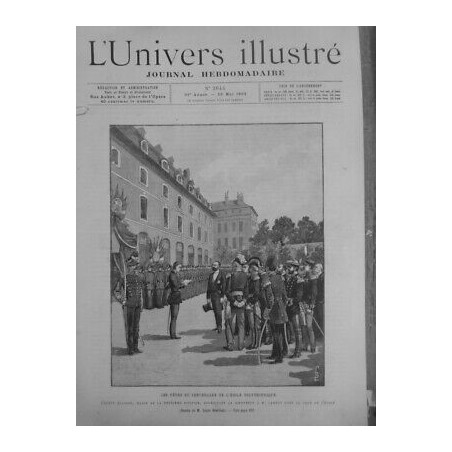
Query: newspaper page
220	226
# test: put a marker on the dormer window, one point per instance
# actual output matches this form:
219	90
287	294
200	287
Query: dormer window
165	165
179	179
190	188
145	146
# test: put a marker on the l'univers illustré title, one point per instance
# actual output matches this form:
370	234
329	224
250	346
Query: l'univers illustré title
254	52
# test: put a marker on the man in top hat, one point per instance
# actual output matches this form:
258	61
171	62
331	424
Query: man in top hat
133	303
216	286
236	295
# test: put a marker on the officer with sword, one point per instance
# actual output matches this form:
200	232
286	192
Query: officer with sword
133	303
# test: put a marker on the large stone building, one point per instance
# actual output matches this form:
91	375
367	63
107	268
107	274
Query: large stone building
234	224
162	200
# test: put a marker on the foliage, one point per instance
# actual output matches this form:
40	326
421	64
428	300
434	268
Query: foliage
318	255
285	254
263	234
307	231
278	240
282	230
255	251
299	254
224	254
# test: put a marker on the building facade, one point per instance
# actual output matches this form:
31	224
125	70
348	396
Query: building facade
235	222
162	200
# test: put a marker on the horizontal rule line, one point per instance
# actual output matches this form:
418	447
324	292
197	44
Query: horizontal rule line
212	103
201	83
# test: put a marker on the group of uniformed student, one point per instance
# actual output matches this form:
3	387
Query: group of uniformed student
269	305
156	286
276	304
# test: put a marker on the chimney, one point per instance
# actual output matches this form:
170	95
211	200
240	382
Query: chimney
187	173
226	196
158	148
171	160
240	197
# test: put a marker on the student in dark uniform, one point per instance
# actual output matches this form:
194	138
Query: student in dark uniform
133	303
293	306
276	310
308	302
150	280
159	287
216	286
236	294
175	285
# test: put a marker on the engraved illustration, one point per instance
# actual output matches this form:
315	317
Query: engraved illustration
217	255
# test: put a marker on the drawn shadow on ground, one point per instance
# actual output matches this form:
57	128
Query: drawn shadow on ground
248	359
241	360
307	377
119	351
215	344
156	337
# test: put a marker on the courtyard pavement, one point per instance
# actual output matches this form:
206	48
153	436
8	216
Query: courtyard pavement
198	359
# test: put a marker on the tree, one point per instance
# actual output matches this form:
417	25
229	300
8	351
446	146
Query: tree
262	235
270	249
282	230
318	255
306	231
224	254
285	254
318	234
299	254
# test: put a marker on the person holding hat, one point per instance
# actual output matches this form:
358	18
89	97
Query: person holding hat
275	310
133	303
236	295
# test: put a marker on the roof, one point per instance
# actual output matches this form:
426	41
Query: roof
230	204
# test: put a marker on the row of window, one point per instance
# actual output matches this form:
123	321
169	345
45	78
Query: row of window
165	194
234	243
223	213
225	227
203	257
165	165
144	216
143	176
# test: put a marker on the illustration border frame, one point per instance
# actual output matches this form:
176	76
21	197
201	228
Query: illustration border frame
324	248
